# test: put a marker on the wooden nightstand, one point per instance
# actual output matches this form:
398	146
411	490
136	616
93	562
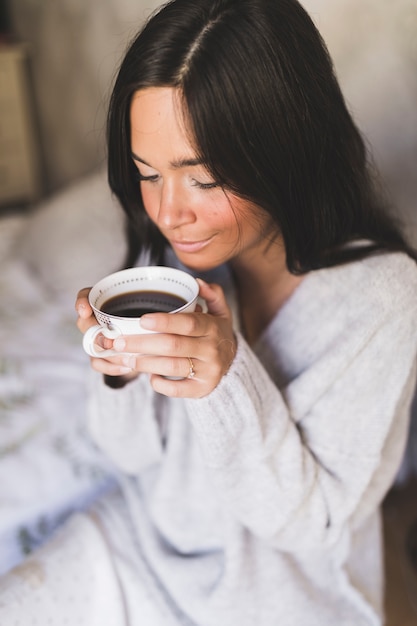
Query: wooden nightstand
19	157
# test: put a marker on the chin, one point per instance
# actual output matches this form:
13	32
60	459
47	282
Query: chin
201	267
200	262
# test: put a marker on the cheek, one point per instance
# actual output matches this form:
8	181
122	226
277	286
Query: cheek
228	222
220	219
250	217
221	212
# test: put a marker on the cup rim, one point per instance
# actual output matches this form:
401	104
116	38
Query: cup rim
149	272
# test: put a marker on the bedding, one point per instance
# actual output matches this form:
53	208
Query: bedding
48	466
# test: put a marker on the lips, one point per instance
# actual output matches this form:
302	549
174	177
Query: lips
190	246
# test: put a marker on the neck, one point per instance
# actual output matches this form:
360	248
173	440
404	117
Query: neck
264	284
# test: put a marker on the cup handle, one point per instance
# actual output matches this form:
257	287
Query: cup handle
90	337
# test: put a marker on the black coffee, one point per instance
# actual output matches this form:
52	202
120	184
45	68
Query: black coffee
137	303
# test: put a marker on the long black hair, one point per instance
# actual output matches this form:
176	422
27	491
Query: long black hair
266	116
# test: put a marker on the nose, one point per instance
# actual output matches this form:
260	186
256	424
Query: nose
174	207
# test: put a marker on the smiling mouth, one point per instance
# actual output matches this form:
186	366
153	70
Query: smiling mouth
190	246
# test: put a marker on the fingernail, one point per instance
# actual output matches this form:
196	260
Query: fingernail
129	361
148	322
125	370
119	344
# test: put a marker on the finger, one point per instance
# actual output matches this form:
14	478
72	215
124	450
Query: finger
85	321
101	342
186	324
215	299
185	388
112	368
157	344
172	367
205	375
82	305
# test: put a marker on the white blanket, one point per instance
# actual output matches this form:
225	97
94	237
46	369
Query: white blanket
48	465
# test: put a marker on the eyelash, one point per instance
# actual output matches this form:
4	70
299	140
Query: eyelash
152	179
139	178
204	185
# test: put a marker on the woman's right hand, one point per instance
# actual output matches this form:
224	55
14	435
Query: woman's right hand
114	366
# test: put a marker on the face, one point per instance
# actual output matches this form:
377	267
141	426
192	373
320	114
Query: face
205	225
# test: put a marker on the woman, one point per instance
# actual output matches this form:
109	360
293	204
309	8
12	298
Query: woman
250	491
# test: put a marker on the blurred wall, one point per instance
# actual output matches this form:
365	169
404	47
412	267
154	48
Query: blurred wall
74	48
76	44
374	48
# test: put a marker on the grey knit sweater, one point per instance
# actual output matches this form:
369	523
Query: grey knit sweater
259	504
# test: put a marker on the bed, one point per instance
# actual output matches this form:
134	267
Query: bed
48	465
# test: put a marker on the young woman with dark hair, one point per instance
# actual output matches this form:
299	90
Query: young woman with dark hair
266	116
249	493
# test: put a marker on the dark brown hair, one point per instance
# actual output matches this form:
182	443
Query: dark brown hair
267	118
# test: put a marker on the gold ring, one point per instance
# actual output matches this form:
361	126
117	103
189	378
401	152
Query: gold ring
191	373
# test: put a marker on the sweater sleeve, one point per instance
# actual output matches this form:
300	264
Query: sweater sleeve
295	466
123	423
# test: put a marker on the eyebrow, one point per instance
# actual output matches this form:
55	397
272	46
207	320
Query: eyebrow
177	164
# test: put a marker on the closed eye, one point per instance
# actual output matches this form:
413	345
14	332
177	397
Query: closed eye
140	178
212	185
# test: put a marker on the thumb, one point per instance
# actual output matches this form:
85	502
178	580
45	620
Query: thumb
215	299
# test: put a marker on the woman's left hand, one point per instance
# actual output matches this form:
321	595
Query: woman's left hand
196	349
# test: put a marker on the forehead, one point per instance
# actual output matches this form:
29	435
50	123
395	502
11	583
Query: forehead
156	114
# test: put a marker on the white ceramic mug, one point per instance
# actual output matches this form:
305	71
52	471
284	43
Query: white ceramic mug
144	289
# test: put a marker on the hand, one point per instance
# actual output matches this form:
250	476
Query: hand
205	338
116	366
